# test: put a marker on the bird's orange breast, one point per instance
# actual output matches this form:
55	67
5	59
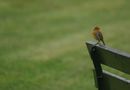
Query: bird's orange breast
95	33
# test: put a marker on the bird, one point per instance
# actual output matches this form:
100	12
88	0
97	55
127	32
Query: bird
97	34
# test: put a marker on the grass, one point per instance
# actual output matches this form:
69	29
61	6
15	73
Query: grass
42	42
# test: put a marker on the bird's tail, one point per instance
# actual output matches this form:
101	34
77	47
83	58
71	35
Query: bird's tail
103	42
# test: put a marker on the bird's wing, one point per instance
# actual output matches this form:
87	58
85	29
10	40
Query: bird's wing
99	36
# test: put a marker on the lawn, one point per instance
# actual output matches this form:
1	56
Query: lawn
42	42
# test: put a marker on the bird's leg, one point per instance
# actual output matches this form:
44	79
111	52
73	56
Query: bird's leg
97	43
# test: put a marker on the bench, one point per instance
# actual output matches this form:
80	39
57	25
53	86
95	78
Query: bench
103	55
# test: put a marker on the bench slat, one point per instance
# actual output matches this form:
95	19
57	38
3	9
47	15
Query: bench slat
114	82
112	58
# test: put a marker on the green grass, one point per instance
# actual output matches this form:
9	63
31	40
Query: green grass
42	42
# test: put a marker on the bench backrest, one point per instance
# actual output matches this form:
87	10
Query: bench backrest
114	59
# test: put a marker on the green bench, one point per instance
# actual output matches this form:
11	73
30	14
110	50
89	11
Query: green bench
103	55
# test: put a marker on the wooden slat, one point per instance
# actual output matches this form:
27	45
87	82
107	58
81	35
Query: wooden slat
111	57
114	82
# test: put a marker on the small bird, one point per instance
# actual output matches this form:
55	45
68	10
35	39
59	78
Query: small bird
98	35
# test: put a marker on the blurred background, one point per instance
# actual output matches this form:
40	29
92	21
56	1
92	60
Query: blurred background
42	42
